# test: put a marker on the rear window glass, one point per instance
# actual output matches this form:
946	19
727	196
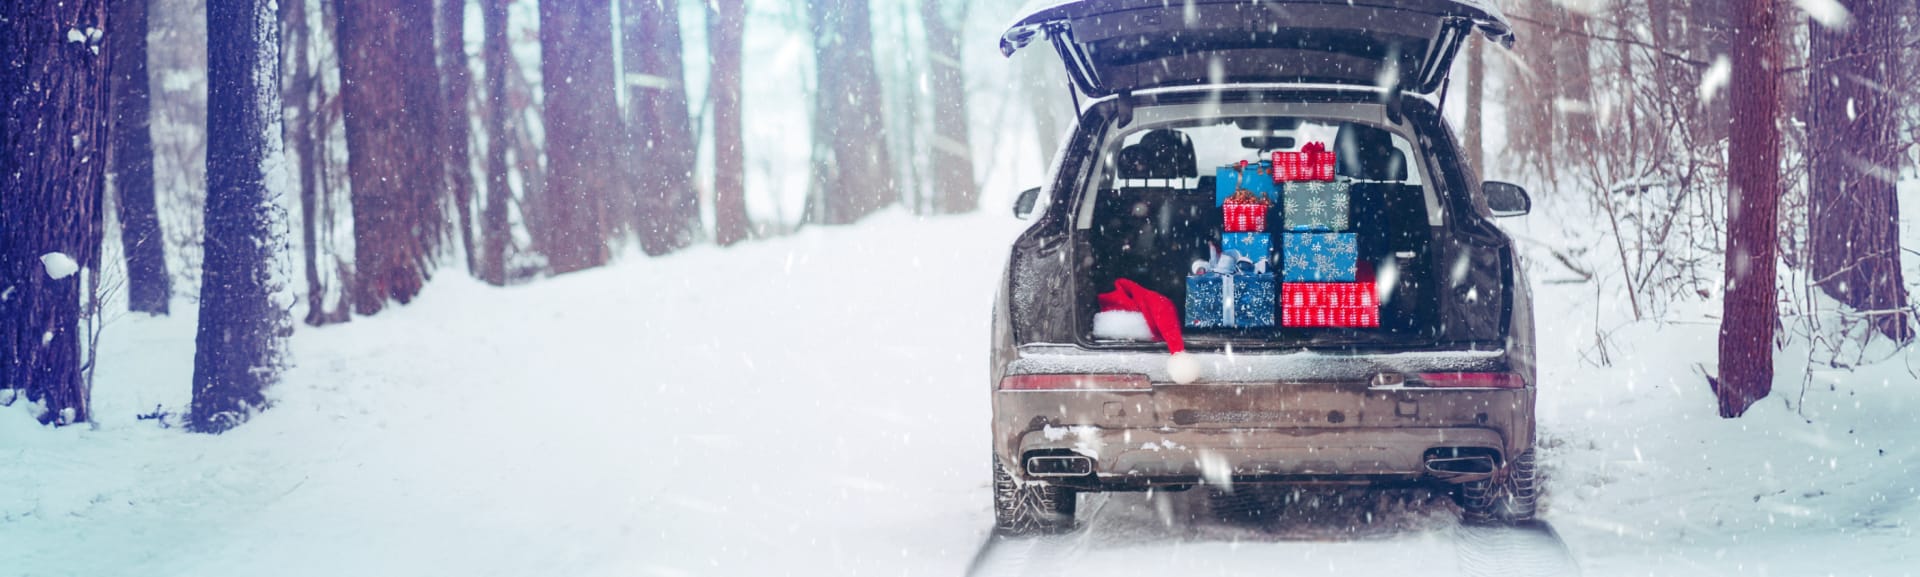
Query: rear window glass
1352	229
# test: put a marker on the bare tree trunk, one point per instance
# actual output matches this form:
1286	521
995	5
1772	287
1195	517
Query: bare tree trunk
1476	98
494	228
149	285
1853	163
238	351
953	181
53	95
391	94
660	147
456	132
726	23
1710	26
1749	315
585	191
852	171
1573	93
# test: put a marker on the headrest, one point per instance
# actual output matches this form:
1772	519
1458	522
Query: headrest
1367	153
1161	153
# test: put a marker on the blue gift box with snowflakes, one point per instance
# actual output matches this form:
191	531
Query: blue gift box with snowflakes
1217	300
1319	257
1315	206
1253	246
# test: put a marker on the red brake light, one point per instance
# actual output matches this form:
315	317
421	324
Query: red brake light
1076	383
1472	380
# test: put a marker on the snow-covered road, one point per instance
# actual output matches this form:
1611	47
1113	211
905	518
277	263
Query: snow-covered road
816	405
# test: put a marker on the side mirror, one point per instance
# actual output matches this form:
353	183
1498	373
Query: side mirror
1506	198
1023	206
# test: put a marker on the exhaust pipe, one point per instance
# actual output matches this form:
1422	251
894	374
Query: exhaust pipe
1059	466
1463	468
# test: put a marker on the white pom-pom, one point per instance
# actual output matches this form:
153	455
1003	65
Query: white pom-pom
1183	368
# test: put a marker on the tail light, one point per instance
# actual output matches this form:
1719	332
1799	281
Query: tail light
1472	380
1076	383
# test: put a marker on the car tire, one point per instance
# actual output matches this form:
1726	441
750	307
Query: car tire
1030	508
1509	498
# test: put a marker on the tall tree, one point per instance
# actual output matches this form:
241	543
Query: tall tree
391	96
53	127
726	25
238	350
1853	159
149	286
660	146
301	135
953	183
1748	310
456	132
584	188
1573	92
494	231
852	172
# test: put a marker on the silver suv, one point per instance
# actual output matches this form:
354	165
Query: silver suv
1440	390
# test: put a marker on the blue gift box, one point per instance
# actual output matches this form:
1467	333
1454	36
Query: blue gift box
1258	180
1255	246
1319	257
1226	301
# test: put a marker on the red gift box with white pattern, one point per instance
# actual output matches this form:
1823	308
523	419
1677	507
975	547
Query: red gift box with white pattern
1244	216
1312	162
1329	304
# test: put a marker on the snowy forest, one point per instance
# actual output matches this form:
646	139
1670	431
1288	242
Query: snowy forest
649	287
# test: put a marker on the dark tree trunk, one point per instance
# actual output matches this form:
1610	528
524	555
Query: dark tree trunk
1709	29
852	172
53	142
457	134
1573	92
238	350
391	94
149	286
494	231
1475	89
576	69
726	22
1748	317
1853	129
952	154
660	145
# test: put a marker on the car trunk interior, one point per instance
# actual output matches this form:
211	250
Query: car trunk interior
1154	213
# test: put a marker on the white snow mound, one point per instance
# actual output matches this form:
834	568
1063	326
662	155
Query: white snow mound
59	265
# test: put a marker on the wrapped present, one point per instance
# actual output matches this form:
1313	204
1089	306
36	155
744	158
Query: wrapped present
1312	162
1315	206
1216	300
1319	256
1255	246
1255	178
1244	212
1329	304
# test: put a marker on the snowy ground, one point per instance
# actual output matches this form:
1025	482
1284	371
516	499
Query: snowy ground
817	405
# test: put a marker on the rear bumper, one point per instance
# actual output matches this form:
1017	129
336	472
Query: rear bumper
1184	434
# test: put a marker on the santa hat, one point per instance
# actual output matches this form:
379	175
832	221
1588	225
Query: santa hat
1132	312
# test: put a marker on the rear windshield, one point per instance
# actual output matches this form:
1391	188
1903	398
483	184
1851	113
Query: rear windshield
1315	249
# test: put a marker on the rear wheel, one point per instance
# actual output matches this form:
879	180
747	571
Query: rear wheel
1029	508
1508	498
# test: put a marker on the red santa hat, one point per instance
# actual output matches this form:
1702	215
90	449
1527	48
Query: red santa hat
1131	312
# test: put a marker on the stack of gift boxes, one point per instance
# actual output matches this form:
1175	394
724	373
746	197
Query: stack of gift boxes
1320	284
1320	281
1233	289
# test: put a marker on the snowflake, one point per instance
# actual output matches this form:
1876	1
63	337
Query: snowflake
1290	205
1323	266
1340	202
1340	247
1315	206
1296	262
